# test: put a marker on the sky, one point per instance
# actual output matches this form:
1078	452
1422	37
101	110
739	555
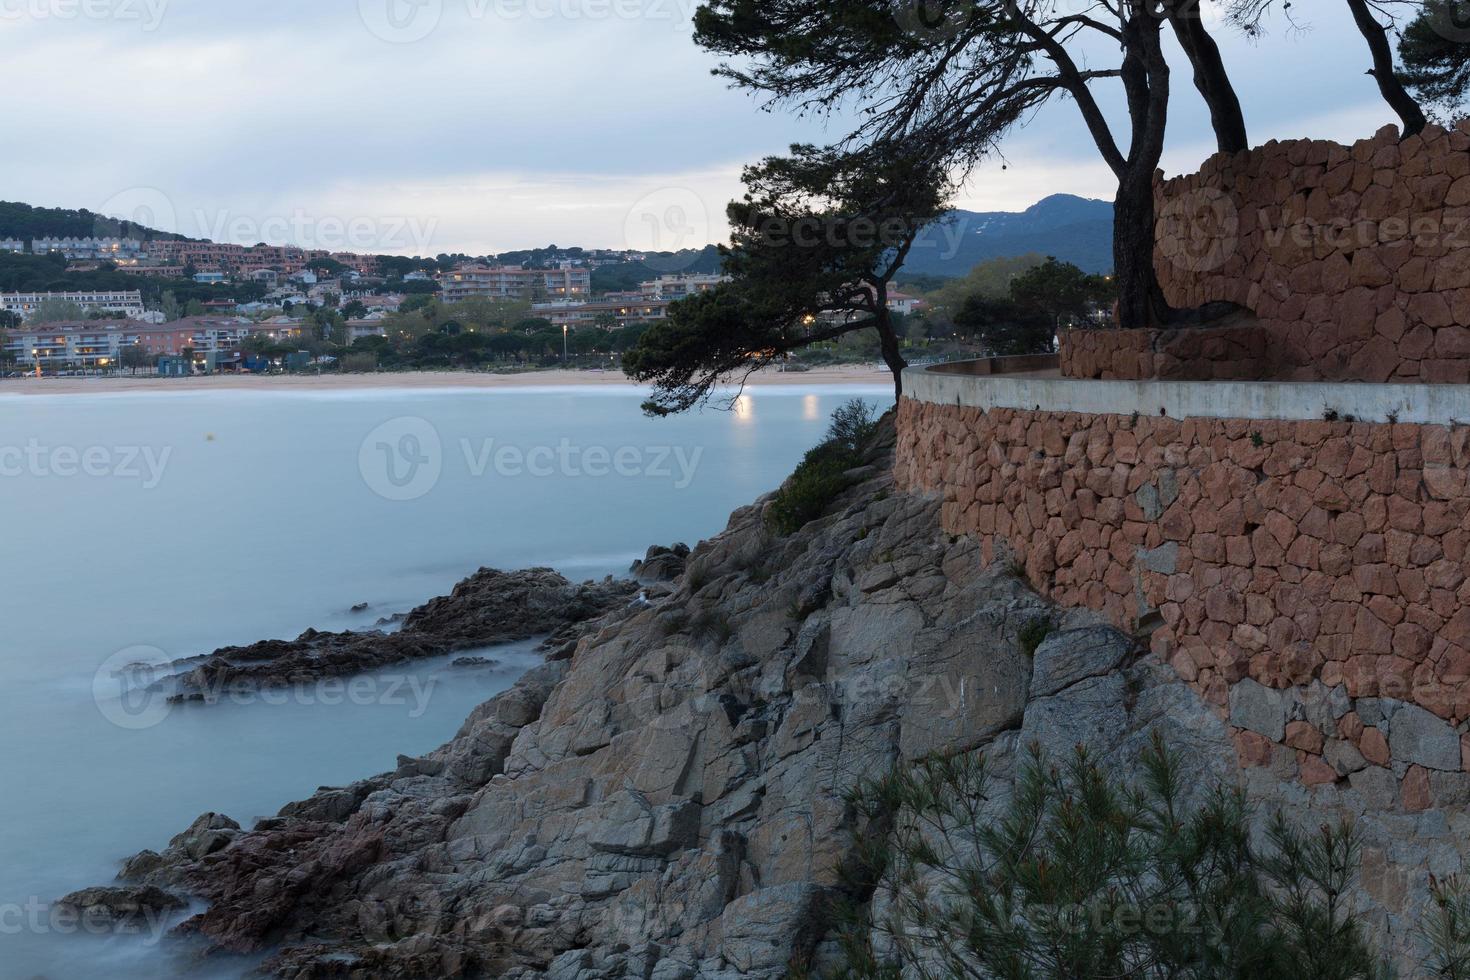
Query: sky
418	127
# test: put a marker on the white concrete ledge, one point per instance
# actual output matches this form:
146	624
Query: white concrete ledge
1296	400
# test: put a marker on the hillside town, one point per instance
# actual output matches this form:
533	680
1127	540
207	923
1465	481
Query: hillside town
288	308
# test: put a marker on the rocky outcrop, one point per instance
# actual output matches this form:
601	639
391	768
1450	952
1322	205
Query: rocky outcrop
488	608
122	904
661	564
670	802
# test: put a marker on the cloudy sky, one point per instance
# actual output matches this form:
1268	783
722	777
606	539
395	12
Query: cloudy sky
427	126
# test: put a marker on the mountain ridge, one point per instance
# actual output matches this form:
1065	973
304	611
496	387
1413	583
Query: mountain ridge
1071	228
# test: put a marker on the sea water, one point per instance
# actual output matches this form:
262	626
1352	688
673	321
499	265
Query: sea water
149	527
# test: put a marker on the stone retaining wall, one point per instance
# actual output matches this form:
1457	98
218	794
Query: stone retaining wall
1356	259
1307	577
1217	354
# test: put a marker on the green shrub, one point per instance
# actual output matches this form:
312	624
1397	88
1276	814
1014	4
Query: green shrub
819	476
1076	874
853	425
1034	633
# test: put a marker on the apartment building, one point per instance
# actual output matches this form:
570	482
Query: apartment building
127	303
365	265
101	343
12	245
624	310
91	249
97	343
233	259
680	286
515	282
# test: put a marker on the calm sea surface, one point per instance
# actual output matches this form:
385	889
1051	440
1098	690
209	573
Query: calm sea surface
149	527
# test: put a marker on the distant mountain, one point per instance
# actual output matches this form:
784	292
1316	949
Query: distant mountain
1074	229
25	222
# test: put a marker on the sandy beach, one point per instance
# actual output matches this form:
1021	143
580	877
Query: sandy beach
843	375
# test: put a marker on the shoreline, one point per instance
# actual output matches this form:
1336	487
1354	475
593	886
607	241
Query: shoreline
838	375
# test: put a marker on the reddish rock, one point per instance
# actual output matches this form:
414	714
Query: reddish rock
1305	736
1251	748
1415	789
1374	746
1316	772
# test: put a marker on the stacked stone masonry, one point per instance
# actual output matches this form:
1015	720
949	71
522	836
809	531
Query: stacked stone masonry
1222	354
1307	577
1355	259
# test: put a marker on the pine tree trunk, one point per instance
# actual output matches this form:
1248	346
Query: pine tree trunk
1210	77
888	343
1383	72
1140	300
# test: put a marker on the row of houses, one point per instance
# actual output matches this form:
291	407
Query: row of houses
123	302
165	257
102	343
653	299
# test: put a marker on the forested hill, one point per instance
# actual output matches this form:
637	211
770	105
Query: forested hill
25	222
1074	229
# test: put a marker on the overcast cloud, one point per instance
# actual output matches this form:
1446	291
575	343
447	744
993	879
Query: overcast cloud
427	126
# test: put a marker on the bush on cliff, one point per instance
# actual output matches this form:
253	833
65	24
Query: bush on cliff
820	476
1071	874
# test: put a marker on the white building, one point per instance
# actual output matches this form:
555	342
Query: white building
680	286
12	245
515	282
90	248
128	303
96	345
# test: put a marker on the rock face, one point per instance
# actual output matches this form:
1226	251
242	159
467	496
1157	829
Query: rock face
668	803
488	608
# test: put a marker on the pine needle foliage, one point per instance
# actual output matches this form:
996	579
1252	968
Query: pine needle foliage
1072	873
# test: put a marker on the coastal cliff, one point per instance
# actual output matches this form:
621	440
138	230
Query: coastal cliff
668	798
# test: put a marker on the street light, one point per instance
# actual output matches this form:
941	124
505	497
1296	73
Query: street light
564	328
